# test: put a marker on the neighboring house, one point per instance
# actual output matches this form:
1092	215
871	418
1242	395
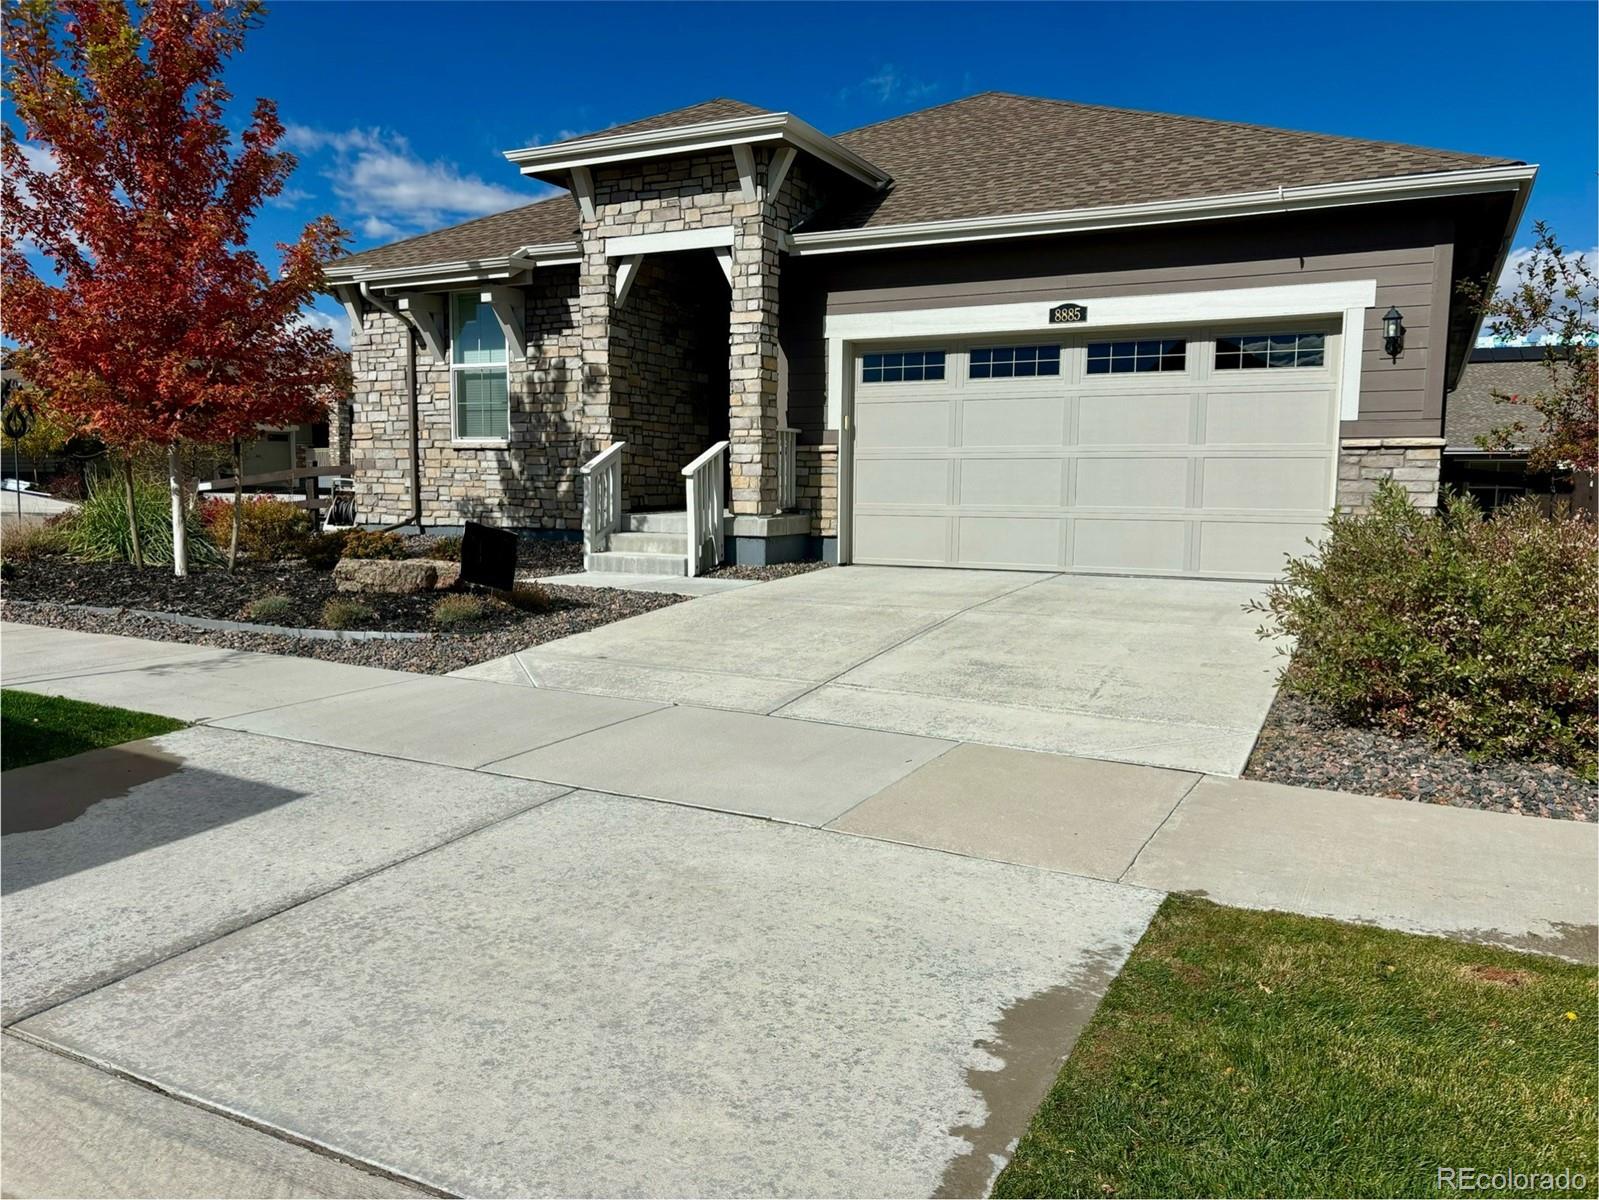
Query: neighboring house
1002	332
1474	411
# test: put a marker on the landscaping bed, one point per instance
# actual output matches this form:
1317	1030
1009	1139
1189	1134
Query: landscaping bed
1265	1054
1307	746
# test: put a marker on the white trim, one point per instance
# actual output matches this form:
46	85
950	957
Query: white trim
511	313
724	259
583	189
686	139
425	312
350	299
1347	299
744	160
626	273
1078	220
660	243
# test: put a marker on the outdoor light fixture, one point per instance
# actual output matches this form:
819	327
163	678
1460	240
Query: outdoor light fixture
1393	332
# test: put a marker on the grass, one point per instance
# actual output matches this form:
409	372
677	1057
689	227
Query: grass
36	729
1249	1054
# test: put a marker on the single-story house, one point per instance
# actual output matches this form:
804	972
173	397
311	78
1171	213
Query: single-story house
1477	408
1002	332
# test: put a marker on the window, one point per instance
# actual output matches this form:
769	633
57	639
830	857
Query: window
1118	358
902	366
1007	362
1257	351
479	374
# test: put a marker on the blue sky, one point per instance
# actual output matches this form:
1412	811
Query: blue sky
399	111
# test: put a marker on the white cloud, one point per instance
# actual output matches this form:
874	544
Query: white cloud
390	190
337	322
888	83
39	158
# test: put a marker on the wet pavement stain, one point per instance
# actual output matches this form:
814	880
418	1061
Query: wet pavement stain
1031	1040
48	794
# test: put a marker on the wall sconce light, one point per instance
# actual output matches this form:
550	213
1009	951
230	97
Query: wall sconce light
1393	333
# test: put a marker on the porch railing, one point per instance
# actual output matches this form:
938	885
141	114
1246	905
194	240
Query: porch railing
787	468
703	483
602	497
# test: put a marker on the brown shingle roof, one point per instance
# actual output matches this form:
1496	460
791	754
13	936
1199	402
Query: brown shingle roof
552	220
996	154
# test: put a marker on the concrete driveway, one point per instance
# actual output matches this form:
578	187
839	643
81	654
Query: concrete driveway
1160	672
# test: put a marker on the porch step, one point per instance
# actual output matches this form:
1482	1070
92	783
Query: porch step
655	522
650	543
626	563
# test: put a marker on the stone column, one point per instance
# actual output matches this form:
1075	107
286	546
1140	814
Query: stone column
595	424
753	416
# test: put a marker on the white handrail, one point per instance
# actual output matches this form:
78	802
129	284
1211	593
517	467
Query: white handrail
602	498
787	468
704	490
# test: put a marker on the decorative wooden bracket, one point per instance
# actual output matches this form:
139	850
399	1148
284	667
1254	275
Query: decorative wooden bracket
626	273
744	159
583	189
350	298
511	313
724	259
777	171
425	311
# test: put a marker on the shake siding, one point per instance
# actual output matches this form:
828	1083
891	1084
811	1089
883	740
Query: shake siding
1405	248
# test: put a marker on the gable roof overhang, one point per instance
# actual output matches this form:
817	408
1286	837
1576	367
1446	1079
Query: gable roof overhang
552	163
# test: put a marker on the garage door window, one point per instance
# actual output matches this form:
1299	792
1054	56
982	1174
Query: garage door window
1119	358
902	366
1264	351
1014	362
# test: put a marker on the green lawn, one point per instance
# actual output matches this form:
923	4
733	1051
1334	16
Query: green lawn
1261	1054
38	728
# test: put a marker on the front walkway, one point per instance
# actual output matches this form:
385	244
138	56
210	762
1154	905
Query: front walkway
1160	672
447	930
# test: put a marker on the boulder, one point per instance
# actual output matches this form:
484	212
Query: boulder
385	575
449	573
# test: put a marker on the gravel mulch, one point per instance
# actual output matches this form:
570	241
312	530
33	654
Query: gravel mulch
1309	747
574	610
774	571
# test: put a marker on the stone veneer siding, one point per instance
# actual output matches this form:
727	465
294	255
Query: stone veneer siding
816	478
1413	463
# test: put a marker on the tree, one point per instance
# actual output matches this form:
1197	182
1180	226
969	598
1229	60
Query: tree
1554	298
160	328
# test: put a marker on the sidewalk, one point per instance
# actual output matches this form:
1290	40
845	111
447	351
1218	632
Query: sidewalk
1518	881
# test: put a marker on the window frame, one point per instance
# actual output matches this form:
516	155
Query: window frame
1060	361
1245	370
1186	340
944	374
456	368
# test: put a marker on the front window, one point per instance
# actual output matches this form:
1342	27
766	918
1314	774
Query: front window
1150	354
478	370
1264	351
1014	362
902	366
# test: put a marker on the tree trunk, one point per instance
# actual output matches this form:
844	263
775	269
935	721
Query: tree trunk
133	513
238	503
180	537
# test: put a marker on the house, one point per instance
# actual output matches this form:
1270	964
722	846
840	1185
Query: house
1002	332
1476	409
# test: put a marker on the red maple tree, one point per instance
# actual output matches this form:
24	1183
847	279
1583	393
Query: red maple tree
160	327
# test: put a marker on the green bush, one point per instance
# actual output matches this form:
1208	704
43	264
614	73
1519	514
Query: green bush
269	528
322	551
339	613
98	531
28	543
369	543
451	611
1478	634
272	608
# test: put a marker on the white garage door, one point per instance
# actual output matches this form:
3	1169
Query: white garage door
1209	453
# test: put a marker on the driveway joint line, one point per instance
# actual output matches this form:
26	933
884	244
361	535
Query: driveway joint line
253	921
910	637
658	707
953	745
276	1132
1153	833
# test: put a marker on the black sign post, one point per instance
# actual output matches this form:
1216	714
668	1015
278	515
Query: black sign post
1068	314
488	557
17	422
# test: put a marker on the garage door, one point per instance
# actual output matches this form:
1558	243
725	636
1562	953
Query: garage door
1208	453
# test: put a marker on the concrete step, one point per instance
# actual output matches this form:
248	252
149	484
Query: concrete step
655	522
650	543
623	563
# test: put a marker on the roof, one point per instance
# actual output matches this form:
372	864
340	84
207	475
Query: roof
1472	410
995	154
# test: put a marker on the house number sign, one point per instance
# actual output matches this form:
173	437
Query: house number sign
1068	314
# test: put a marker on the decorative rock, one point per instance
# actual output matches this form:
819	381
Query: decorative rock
448	573
386	575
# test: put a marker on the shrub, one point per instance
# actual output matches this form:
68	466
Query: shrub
447	549
274	608
322	551
369	543
451	611
340	613
1476	633
269	528
529	597
28	543
98	531
68	485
